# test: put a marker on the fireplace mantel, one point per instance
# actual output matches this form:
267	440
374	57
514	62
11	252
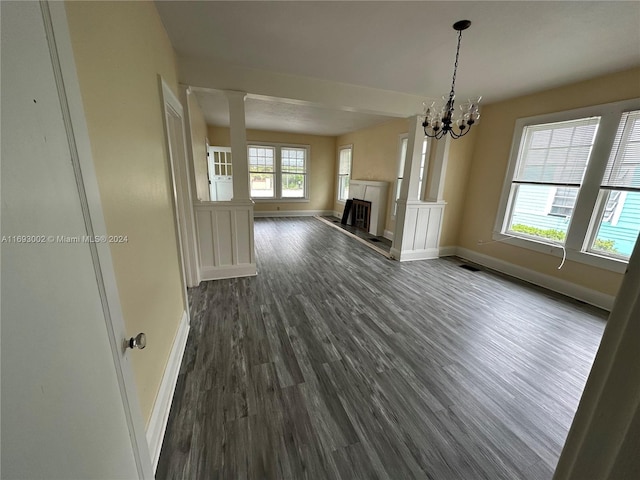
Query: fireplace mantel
376	193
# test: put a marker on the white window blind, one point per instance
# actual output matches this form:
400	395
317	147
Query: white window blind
344	172
556	153
623	167
345	161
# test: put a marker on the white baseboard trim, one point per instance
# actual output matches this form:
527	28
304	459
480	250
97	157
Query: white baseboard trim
388	234
337	214
229	271
558	285
162	406
294	213
411	255
447	251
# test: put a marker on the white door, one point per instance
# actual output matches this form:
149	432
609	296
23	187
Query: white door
220	174
69	407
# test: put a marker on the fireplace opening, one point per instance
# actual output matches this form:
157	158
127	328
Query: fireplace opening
361	214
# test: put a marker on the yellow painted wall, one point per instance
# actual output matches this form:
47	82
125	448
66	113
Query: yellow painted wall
119	49
458	167
490	158
199	145
375	157
321	167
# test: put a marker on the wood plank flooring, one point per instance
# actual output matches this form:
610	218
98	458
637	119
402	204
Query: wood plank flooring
336	363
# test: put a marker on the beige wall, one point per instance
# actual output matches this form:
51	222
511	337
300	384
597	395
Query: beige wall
490	157
119	49
375	157
458	167
199	145
321	172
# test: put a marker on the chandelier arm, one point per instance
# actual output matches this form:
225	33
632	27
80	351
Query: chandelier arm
462	133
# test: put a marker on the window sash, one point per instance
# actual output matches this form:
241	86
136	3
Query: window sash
268	179
623	167
344	172
262	159
556	153
609	235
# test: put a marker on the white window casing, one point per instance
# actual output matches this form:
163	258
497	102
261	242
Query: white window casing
597	171
278	172
345	161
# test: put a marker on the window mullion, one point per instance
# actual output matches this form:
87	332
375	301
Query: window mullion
588	195
277	175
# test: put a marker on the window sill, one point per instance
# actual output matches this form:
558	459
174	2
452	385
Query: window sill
586	258
281	200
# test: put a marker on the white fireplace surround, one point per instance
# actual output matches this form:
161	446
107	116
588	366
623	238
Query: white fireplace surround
376	193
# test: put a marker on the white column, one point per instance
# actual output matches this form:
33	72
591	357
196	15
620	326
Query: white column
418	223
239	158
411	174
410	178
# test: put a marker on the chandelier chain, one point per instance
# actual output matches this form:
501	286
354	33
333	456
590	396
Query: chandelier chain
455	66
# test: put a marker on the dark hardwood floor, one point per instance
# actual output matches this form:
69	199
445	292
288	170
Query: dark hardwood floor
336	363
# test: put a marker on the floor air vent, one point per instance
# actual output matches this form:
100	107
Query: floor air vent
471	268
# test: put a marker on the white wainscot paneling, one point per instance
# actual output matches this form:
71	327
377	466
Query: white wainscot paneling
421	233
225	239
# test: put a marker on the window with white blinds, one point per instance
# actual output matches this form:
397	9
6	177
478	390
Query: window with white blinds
344	172
617	212
556	153
574	182
552	161
623	167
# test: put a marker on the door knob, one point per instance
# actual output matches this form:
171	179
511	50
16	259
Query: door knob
139	341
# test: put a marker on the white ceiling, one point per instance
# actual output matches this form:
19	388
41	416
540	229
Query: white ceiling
285	115
512	48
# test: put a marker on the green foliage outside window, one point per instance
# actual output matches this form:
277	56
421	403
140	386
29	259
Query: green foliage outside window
559	236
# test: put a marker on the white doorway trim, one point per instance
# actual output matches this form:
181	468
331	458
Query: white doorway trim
63	62
176	145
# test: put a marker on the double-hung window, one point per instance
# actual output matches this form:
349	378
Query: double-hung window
616	220
278	171
262	171
574	181
293	167
344	172
552	161
402	155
